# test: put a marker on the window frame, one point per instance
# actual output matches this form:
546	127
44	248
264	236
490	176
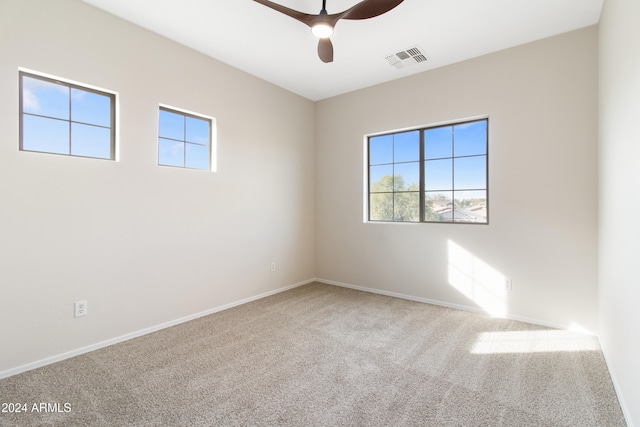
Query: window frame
421	187
210	143
70	85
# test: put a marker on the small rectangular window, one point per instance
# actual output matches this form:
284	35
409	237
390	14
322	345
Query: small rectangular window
184	139
436	174
64	118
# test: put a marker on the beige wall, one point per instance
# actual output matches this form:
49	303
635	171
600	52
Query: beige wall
541	100
143	244
147	245
620	198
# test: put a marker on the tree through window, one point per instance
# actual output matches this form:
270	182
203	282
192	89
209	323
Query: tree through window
436	174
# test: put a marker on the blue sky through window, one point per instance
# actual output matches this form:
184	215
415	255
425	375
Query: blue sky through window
63	119
470	173
184	140
470	138
406	147
437	174
410	174
91	108
454	168
381	150
45	98
438	142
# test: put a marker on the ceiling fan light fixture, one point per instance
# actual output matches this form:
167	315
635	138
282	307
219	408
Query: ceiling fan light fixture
322	30
322	24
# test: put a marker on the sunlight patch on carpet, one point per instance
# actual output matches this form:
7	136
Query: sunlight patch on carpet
545	341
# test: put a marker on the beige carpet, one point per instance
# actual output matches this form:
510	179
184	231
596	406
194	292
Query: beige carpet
320	355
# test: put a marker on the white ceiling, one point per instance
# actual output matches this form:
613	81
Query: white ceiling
281	50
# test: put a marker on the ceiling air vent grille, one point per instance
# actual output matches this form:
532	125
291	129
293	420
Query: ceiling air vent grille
407	57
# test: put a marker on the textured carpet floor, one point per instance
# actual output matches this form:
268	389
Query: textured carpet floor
320	355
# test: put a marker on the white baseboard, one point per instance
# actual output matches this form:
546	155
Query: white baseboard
450	305
57	358
619	395
126	337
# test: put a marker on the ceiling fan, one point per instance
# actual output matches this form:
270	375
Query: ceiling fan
322	24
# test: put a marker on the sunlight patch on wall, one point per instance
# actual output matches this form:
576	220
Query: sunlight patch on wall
533	342
477	280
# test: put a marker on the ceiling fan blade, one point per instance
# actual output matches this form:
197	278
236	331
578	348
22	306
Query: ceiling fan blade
325	50
369	9
305	18
364	10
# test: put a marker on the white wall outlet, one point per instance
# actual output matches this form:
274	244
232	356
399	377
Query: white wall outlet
508	285
273	266
81	308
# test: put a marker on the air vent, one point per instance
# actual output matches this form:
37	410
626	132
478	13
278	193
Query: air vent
406	58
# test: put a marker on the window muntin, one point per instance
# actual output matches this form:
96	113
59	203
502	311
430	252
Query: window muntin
65	118
184	140
436	174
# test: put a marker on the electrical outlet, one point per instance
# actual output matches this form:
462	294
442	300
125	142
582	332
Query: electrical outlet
81	308
273	266
508	285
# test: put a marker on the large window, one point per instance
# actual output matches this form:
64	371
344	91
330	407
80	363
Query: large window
64	118
184	140
436	174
